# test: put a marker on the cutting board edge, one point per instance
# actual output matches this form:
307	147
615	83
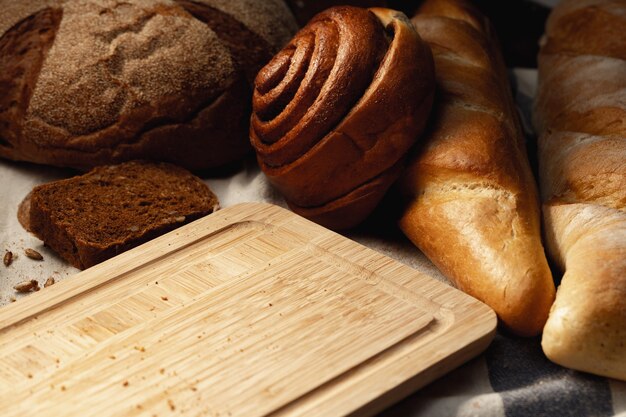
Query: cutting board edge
459	357
37	303
50	297
417	375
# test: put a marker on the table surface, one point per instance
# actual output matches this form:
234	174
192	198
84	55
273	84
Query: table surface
511	378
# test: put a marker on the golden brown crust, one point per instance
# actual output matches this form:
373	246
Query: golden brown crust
150	79
304	10
603	21
23	50
338	108
578	167
580	114
581	97
472	204
586	329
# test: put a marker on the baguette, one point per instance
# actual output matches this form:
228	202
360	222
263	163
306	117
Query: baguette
472	204
580	115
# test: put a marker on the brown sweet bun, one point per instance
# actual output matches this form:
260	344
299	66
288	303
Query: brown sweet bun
335	112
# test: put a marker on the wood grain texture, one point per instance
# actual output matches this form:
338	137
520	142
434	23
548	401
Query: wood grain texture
250	311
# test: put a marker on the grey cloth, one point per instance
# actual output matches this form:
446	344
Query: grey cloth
513	378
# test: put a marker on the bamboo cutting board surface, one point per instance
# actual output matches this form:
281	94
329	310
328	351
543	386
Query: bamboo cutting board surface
251	311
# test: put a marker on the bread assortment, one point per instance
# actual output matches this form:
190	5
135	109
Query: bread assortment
90	218
335	112
471	200
580	115
356	100
92	82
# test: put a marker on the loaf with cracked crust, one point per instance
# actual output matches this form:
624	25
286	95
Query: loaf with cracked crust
471	200
580	115
91	82
92	217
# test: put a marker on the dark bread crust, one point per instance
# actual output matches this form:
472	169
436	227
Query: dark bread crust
158	80
93	217
22	51
249	51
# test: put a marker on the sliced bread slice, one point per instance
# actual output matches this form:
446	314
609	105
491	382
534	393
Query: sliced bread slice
90	218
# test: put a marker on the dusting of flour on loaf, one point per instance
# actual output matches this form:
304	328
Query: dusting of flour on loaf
110	57
106	81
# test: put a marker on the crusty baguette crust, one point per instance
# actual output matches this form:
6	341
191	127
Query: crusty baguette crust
472	201
580	115
586	329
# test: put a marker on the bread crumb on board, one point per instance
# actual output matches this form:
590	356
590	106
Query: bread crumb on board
27	286
33	254
8	258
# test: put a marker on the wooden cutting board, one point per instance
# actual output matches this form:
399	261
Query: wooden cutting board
251	311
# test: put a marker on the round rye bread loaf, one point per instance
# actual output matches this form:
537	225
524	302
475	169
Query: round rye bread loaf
93	82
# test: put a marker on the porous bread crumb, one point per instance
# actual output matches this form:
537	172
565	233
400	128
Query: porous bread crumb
108	205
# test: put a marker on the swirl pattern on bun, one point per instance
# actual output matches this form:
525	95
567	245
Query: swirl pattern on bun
335	111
